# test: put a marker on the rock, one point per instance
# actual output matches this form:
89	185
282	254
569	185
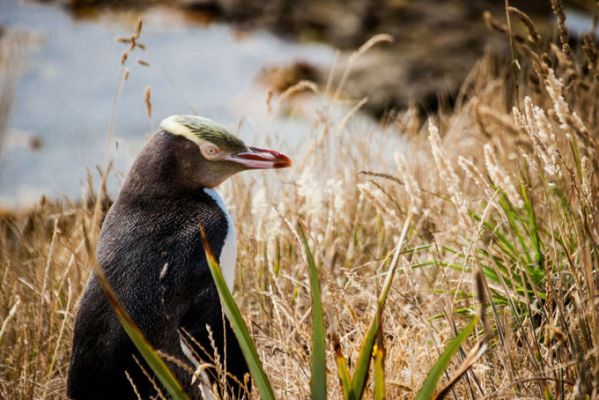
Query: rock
436	41
279	78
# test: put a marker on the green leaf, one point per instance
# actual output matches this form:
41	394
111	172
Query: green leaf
379	368
239	328
514	218
502	241
429	385
150	355
318	377
363	365
342	370
548	395
533	226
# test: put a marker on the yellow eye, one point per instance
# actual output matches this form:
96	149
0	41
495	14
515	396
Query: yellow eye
210	151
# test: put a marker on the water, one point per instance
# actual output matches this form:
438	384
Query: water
65	97
579	23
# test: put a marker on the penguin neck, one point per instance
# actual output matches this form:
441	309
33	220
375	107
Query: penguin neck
156	172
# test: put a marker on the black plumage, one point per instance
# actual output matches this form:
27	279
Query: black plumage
154	222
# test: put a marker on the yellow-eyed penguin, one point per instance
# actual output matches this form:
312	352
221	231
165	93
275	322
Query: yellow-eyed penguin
151	251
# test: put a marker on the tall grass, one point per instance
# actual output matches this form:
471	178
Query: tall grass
512	193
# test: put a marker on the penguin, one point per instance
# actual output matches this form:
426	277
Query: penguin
151	251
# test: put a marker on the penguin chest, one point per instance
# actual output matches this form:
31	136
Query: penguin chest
228	254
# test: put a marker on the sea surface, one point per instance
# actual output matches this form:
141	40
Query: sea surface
67	117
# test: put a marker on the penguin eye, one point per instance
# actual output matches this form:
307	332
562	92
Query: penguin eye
210	151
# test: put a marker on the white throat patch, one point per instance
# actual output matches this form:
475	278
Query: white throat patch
228	254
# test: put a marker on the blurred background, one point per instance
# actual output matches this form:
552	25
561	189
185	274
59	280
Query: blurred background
65	108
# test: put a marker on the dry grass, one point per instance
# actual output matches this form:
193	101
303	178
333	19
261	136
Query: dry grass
513	193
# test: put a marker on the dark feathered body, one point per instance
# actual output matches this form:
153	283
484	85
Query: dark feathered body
153	223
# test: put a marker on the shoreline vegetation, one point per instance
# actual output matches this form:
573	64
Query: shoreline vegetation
494	201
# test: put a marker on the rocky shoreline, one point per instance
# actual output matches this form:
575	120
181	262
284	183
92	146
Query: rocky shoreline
436	42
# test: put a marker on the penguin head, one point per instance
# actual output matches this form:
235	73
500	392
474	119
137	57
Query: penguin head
217	154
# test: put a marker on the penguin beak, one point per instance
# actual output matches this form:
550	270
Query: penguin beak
257	158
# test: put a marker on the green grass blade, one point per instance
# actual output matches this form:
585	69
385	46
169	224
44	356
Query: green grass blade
533	226
342	370
239	328
379	368
363	365
513	219
158	366
502	241
429	385
318	377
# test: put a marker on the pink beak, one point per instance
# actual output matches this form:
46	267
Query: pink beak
258	158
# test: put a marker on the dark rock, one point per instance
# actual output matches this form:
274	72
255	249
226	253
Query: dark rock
279	78
436	41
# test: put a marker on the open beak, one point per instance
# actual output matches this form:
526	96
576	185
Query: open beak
257	158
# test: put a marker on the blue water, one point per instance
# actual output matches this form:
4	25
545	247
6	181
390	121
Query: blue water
65	96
